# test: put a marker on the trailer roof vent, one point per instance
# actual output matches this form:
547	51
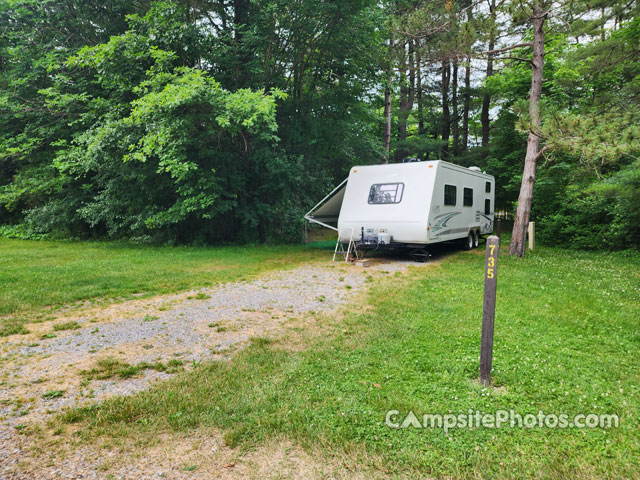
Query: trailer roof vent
475	169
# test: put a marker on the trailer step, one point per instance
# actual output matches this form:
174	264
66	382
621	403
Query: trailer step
351	252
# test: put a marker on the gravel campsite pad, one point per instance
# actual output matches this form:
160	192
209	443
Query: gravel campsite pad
65	362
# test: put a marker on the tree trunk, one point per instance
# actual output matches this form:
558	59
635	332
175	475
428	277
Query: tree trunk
407	96
518	236
454	109
467	91
486	98
387	104
387	121
467	105
421	129
402	100
446	115
241	12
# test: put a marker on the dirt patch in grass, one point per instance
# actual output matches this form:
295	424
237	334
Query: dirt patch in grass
199	455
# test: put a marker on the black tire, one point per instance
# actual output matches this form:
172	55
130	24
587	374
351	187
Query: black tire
476	239
420	255
468	242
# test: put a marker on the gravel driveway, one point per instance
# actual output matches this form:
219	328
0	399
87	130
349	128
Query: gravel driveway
42	373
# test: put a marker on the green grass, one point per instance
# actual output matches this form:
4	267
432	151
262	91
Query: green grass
66	326
53	394
111	367
566	341
199	296
38	274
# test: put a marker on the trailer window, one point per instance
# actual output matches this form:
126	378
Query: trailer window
468	197
487	207
382	193
487	187
450	194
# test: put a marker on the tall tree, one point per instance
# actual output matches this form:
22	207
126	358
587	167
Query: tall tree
523	212
387	104
466	105
469	40
455	126
486	98
407	95
419	91
446	112
388	86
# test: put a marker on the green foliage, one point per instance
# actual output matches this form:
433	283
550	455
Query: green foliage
595	129
19	231
192	123
176	146
506	159
604	214
600	142
584	194
38	35
167	129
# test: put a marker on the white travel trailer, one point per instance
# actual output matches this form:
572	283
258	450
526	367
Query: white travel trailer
409	205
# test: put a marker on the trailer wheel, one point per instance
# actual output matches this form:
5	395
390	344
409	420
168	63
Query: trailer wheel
468	242
476	239
420	255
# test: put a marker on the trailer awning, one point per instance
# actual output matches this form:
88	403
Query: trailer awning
327	211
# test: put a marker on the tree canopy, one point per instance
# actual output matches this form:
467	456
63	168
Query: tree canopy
199	121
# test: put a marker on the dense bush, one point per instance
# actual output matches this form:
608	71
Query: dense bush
602	215
169	129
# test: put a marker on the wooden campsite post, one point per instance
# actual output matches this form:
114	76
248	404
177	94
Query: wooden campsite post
498	227
489	309
532	235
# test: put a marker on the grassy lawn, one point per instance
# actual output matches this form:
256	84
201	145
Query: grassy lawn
566	341
36	274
